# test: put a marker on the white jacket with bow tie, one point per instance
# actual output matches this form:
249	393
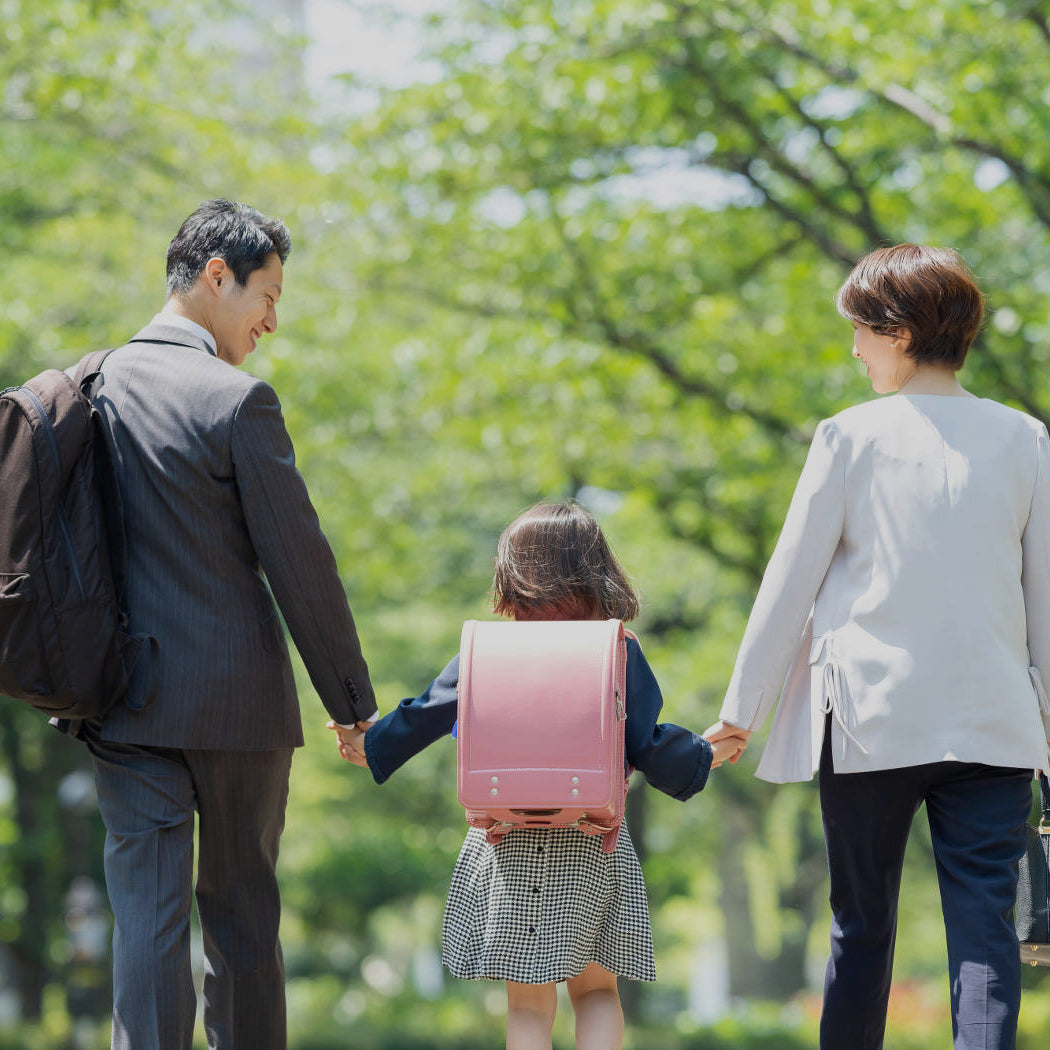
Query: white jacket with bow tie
908	596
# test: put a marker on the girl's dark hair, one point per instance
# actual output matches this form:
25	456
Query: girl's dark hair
236	233
929	292
553	562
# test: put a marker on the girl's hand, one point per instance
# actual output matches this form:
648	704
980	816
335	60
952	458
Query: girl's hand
729	749
727	742
351	743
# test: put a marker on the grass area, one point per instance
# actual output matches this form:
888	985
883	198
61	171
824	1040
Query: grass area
918	1020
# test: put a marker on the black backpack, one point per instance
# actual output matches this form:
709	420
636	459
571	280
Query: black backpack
64	647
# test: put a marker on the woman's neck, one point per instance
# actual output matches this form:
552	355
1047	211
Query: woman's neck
930	379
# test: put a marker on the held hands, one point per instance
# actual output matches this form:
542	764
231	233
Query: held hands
727	742
352	741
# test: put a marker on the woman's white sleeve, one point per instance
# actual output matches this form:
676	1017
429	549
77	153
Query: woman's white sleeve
808	540
1035	576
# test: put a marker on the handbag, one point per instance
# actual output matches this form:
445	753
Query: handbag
1032	910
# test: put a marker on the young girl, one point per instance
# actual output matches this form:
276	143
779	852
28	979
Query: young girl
546	904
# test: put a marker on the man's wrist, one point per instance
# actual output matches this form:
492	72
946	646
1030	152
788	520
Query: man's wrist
373	717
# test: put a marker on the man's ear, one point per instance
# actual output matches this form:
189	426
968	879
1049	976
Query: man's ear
216	274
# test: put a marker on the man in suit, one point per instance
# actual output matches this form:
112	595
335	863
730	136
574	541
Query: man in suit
212	501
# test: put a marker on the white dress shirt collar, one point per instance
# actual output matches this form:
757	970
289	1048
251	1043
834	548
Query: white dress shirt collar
164	317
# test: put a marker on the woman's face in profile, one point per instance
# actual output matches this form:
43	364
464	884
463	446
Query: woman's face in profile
884	356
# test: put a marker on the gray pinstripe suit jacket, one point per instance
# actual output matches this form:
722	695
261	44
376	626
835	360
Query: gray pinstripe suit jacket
212	501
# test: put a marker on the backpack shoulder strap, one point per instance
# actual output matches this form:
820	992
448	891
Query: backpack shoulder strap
89	366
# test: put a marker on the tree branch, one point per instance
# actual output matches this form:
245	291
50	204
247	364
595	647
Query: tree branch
816	234
867	222
751	565
1040	21
1004	383
1035	188
616	338
765	149
634	341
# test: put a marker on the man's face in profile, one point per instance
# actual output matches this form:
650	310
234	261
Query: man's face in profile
245	312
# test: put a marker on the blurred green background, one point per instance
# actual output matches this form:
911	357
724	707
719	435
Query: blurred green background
542	248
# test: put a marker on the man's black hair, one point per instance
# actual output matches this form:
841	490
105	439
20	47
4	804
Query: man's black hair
236	233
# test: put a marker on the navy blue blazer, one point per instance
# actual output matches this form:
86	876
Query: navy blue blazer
673	759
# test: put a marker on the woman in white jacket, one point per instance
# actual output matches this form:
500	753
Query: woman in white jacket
914	569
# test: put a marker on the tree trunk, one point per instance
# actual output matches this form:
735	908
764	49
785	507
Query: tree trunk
30	946
752	975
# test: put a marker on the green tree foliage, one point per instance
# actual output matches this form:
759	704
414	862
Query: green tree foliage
592	253
116	118
623	224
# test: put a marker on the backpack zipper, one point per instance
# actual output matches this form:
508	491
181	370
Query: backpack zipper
63	522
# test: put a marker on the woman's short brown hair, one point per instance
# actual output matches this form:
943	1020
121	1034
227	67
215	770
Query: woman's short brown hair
928	292
552	562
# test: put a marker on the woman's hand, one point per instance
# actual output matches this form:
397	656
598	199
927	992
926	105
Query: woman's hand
727	742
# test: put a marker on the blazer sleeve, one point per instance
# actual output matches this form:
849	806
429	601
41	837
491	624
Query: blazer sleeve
1035	576
796	570
296	558
672	758
413	724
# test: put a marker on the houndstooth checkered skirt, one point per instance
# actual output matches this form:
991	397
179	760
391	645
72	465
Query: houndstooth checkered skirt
543	904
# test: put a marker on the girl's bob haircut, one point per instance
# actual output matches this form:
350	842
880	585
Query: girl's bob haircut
553	563
928	292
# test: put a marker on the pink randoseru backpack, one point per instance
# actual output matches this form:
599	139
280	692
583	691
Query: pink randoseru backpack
540	726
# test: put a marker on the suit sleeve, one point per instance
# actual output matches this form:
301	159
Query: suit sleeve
1035	576
296	558
673	759
800	561
413	724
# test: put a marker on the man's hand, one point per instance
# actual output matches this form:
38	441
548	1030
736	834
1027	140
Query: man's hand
727	742
352	741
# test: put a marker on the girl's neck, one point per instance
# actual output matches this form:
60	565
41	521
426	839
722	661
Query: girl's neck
931	379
